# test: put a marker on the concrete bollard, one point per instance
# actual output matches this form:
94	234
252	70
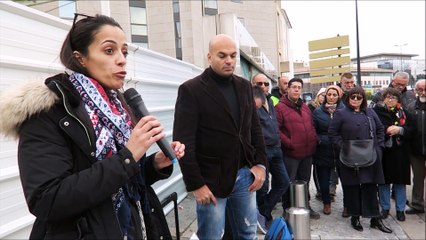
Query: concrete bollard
298	221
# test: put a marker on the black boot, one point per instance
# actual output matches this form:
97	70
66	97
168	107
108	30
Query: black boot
400	216
376	222
356	224
385	214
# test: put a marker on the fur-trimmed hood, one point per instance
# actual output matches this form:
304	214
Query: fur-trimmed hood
19	103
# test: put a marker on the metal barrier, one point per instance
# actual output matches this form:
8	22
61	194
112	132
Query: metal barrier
173	197
299	194
298	214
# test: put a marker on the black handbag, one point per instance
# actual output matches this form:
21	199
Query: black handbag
358	153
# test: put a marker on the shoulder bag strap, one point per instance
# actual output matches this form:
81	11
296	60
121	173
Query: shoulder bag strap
371	126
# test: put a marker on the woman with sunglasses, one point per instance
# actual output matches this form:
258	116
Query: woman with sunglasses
396	166
356	122
325	155
81	154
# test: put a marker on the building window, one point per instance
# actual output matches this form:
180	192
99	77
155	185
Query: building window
178	32
66	9
237	1
138	23
210	7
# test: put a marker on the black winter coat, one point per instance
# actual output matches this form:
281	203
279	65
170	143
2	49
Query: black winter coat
418	143
396	159
67	190
348	124
326	154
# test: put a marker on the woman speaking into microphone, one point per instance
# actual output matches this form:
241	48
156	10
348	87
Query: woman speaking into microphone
82	160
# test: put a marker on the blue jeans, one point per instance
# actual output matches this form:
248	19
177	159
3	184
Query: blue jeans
280	183
240	206
400	196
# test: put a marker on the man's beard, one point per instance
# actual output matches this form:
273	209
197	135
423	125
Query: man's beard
422	99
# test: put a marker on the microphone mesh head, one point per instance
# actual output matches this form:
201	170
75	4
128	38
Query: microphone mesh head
130	93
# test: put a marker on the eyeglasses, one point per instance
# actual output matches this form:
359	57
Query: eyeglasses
420	90
76	19
332	94
295	87
399	84
356	97
262	83
390	98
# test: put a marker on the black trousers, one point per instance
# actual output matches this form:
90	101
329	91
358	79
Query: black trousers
362	200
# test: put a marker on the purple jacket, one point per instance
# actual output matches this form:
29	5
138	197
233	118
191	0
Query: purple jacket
297	133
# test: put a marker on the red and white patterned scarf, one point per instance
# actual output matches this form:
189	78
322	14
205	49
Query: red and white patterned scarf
110	120
112	127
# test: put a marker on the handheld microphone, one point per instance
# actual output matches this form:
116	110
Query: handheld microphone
134	100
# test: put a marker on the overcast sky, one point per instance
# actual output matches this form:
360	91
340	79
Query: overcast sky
381	24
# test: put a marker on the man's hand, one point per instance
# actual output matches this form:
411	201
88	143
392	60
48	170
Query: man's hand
259	177
204	196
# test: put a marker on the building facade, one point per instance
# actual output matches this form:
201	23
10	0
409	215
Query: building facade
182	29
396	62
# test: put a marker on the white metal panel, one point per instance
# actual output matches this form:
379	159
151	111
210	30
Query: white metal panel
156	77
30	42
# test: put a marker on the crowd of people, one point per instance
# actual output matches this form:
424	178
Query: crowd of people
239	147
312	135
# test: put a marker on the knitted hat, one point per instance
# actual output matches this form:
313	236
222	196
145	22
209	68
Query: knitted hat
322	90
337	88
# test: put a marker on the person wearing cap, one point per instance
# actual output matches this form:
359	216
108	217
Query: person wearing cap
319	98
314	104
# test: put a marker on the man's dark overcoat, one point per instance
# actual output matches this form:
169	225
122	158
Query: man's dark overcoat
216	146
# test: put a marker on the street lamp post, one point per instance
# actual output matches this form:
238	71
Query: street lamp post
358	60
400	53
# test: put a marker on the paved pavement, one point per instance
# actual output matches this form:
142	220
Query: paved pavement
332	226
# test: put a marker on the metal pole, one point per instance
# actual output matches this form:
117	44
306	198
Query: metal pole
358	61
400	54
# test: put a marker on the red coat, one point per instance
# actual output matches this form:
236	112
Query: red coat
297	132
